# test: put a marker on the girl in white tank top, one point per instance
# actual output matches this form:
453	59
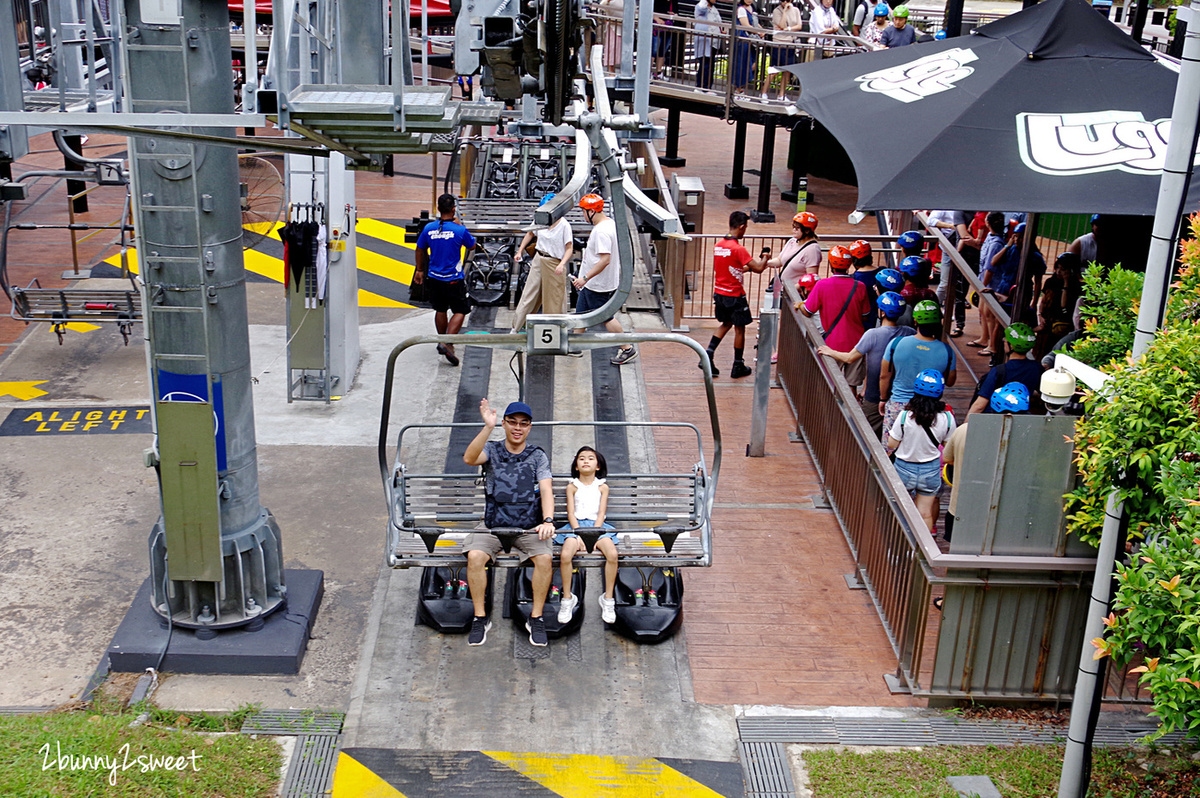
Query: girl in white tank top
587	502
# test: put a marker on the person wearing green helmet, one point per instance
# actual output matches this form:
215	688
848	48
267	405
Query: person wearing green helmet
900	33
1018	367
905	358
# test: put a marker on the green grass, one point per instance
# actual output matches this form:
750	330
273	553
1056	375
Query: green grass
216	766
1018	772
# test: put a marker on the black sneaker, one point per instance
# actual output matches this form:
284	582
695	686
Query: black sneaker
715	371
537	631
739	370
479	630
624	355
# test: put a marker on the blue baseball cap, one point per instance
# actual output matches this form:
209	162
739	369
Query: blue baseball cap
515	408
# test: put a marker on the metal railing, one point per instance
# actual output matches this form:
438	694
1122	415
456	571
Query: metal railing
687	269
720	61
962	654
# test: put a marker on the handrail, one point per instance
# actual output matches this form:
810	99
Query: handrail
518	342
911	521
963	268
895	555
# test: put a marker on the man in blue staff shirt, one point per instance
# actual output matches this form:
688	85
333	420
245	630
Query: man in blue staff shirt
440	267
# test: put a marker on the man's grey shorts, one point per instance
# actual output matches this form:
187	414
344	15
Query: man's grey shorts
528	544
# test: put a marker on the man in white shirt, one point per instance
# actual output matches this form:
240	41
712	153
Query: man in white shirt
601	270
546	285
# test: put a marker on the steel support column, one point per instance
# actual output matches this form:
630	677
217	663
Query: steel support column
763	213
672	159
215	557
735	190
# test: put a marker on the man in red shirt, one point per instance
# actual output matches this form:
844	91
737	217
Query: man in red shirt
842	302
730	261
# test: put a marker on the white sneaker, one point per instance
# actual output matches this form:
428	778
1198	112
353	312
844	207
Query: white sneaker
608	609
567	608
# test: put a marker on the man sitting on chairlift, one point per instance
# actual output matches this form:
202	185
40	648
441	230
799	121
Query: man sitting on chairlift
519	490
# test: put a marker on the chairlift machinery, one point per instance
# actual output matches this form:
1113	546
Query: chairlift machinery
665	522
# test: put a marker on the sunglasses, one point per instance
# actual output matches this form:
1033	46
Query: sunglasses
520	423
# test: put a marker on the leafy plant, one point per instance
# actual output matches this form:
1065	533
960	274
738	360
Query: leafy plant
1142	438
1149	407
1110	315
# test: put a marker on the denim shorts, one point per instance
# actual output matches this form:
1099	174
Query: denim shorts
924	479
565	532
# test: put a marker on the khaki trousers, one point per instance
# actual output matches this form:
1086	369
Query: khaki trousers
543	289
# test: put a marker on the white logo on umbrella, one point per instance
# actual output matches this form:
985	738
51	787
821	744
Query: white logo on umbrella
919	79
1100	141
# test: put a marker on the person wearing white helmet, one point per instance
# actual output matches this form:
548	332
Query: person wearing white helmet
901	33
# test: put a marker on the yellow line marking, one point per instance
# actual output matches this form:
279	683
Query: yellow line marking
383	231
586	776
80	326
22	390
352	779
383	266
265	265
366	299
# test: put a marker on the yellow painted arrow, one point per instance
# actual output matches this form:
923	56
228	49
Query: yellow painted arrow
22	390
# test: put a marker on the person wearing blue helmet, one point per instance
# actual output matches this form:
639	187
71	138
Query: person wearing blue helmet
871	24
546	285
865	14
917	436
911	242
871	347
1010	398
916	288
910	266
889	280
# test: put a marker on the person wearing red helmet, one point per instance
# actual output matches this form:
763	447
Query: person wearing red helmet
842	302
865	271
801	254
600	272
730	262
805	284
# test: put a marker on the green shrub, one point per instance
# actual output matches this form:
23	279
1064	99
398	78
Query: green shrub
1143	439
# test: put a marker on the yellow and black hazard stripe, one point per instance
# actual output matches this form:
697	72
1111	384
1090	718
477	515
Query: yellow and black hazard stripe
388	773
385	263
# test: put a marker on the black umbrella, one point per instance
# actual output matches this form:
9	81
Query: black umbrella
1052	109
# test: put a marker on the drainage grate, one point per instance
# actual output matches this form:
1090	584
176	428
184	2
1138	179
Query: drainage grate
308	722
765	769
933	730
788	730
24	710
870	731
310	773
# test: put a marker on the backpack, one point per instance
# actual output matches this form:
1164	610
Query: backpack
513	500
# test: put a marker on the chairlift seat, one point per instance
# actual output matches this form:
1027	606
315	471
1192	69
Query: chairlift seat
653	516
60	306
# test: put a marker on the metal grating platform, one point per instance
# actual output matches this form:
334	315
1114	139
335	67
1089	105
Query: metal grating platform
310	773
924	731
766	771
511	216
294	721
